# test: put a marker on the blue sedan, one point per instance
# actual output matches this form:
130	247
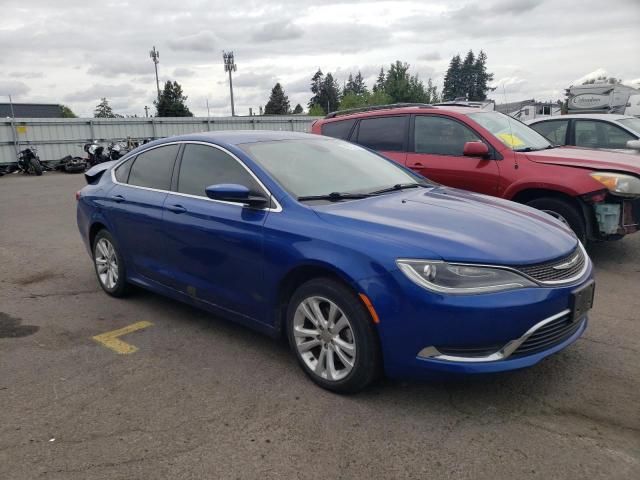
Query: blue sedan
365	266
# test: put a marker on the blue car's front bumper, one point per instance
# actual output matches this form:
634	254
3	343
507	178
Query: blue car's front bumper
424	333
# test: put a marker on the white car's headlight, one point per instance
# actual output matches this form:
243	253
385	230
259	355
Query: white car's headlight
619	183
442	277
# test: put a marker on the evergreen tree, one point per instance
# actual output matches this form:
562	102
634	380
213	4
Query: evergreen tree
432	93
359	87
172	102
298	109
103	109
278	103
452	81
349	86
330	93
401	86
379	85
482	79
317	82
468	75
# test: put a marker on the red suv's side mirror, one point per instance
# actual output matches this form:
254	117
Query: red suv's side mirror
475	149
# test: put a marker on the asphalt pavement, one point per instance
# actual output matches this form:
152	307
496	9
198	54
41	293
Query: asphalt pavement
202	398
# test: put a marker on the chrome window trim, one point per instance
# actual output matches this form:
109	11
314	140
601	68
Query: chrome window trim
550	283
276	209
505	352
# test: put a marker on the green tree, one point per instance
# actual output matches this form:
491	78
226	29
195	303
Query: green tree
468	75
172	102
432	93
452	79
317	82
403	87
316	111
298	109
379	97
380	81
66	112
278	103
482	78
352	100
103	109
355	85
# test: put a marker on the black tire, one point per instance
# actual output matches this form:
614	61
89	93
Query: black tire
367	364
36	166
564	211
121	287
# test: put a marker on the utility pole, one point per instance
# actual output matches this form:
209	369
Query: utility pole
146	111
208	114
155	57
13	127
230	66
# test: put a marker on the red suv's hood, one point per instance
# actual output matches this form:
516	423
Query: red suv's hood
587	158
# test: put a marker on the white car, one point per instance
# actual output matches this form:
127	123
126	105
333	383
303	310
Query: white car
597	130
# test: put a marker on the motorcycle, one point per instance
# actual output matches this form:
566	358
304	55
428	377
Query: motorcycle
29	162
71	164
96	154
117	150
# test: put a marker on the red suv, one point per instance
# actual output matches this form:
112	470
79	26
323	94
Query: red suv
597	193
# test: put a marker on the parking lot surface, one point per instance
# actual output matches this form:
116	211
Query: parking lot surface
204	398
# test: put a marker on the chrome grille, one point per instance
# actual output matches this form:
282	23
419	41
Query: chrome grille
552	271
549	335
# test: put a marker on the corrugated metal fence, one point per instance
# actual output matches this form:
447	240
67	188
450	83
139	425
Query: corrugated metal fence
58	137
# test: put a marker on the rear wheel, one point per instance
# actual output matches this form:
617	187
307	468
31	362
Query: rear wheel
332	336
563	211
109	265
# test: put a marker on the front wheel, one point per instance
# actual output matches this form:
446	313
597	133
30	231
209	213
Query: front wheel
332	336
563	211
36	166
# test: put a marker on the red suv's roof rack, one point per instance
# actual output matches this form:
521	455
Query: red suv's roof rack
377	107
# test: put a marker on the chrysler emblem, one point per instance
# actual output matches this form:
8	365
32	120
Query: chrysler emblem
566	265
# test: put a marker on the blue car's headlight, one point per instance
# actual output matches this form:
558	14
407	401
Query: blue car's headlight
442	277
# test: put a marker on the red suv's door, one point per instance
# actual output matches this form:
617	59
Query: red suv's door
436	150
388	135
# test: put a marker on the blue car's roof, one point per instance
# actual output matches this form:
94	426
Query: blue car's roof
236	137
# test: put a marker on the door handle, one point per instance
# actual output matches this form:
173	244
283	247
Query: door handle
117	198
416	164
176	208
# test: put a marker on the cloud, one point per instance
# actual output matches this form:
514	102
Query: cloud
111	66
26	74
278	30
183	72
98	91
13	87
431	56
204	41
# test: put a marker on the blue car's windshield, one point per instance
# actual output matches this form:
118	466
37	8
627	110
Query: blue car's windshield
322	166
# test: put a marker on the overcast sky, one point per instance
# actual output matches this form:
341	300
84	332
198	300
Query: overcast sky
76	51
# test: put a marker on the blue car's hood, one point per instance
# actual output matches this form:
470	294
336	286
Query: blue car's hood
456	225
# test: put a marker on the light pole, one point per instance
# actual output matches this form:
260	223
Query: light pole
155	57
230	66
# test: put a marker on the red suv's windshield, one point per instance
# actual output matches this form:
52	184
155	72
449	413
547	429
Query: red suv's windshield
514	134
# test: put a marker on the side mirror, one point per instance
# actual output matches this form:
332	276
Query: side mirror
475	149
634	144
231	192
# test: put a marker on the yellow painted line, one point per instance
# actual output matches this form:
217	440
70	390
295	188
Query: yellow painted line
111	340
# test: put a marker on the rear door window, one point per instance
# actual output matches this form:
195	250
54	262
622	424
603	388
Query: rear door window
340	129
153	168
384	133
203	166
441	136
122	172
554	130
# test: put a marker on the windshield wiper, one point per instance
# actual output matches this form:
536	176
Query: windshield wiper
397	187
335	196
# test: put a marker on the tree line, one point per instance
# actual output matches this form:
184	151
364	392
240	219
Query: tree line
467	79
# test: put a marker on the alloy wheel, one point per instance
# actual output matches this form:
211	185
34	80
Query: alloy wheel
324	338
106	262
